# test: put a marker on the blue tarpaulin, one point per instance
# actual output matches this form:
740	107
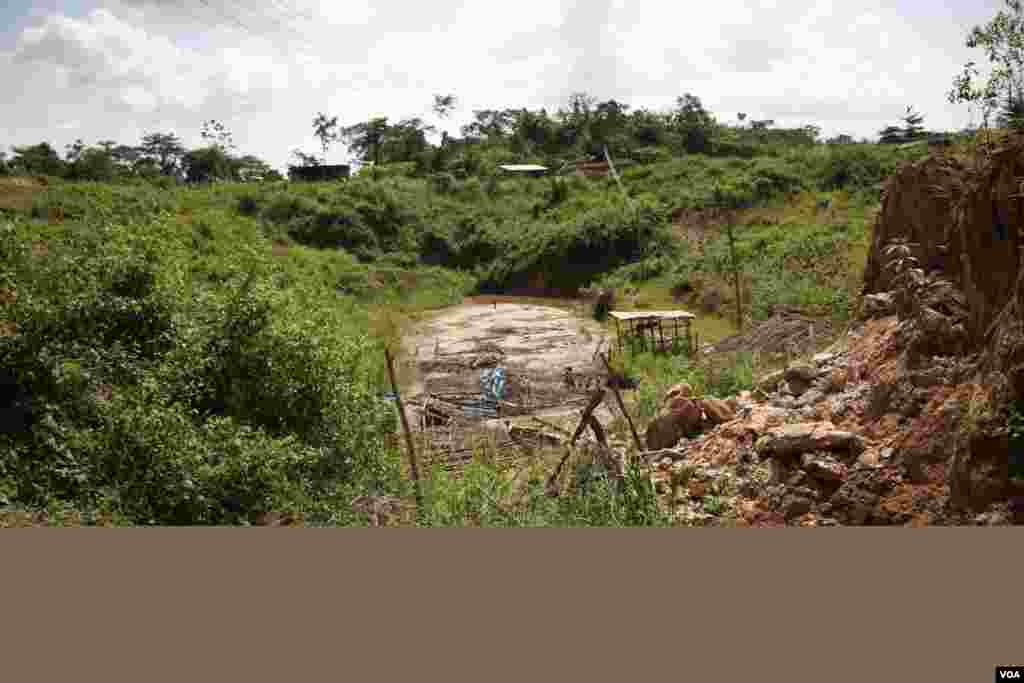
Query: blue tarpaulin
492	384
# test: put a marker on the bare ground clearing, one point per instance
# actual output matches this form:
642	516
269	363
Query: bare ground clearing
444	357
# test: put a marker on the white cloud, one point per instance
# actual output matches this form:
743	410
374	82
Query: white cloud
136	65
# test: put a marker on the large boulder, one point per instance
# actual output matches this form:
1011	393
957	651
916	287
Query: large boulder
878	305
760	419
823	467
799	377
717	411
796	439
683	419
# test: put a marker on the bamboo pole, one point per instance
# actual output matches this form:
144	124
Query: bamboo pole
405	428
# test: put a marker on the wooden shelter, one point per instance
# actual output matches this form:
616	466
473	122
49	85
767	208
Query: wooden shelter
654	330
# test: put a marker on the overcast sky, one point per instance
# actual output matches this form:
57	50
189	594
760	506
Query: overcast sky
117	69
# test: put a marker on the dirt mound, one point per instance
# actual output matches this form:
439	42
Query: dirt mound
789	330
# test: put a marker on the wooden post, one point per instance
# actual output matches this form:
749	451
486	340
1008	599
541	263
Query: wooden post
408	434
595	401
586	419
735	272
618	333
622	407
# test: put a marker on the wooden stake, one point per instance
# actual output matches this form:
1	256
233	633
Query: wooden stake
622	407
618	333
595	401
735	273
585	419
405	428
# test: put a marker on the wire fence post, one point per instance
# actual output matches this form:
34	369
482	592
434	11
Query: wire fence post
414	466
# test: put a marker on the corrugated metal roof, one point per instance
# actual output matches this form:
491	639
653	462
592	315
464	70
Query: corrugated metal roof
522	167
642	315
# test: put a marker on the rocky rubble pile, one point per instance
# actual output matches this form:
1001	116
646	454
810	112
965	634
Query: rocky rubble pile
851	436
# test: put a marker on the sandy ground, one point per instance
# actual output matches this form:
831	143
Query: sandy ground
536	341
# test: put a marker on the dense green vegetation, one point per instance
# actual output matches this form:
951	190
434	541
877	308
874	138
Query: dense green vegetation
203	354
185	338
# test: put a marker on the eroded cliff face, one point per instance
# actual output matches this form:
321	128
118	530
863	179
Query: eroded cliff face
968	219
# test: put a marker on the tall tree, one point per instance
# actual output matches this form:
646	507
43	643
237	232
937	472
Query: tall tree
912	128
493	125
305	159
91	163
218	135
41	158
165	149
890	135
648	128
405	140
1002	39
365	139
207	164
74	150
442	107
126	157
326	130
694	124
608	127
249	168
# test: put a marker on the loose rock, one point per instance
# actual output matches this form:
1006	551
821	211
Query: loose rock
823	467
790	440
878	305
770	382
800	377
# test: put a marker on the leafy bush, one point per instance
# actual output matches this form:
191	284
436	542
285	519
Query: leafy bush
171	397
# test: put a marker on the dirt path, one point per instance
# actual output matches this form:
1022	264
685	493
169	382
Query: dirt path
534	343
